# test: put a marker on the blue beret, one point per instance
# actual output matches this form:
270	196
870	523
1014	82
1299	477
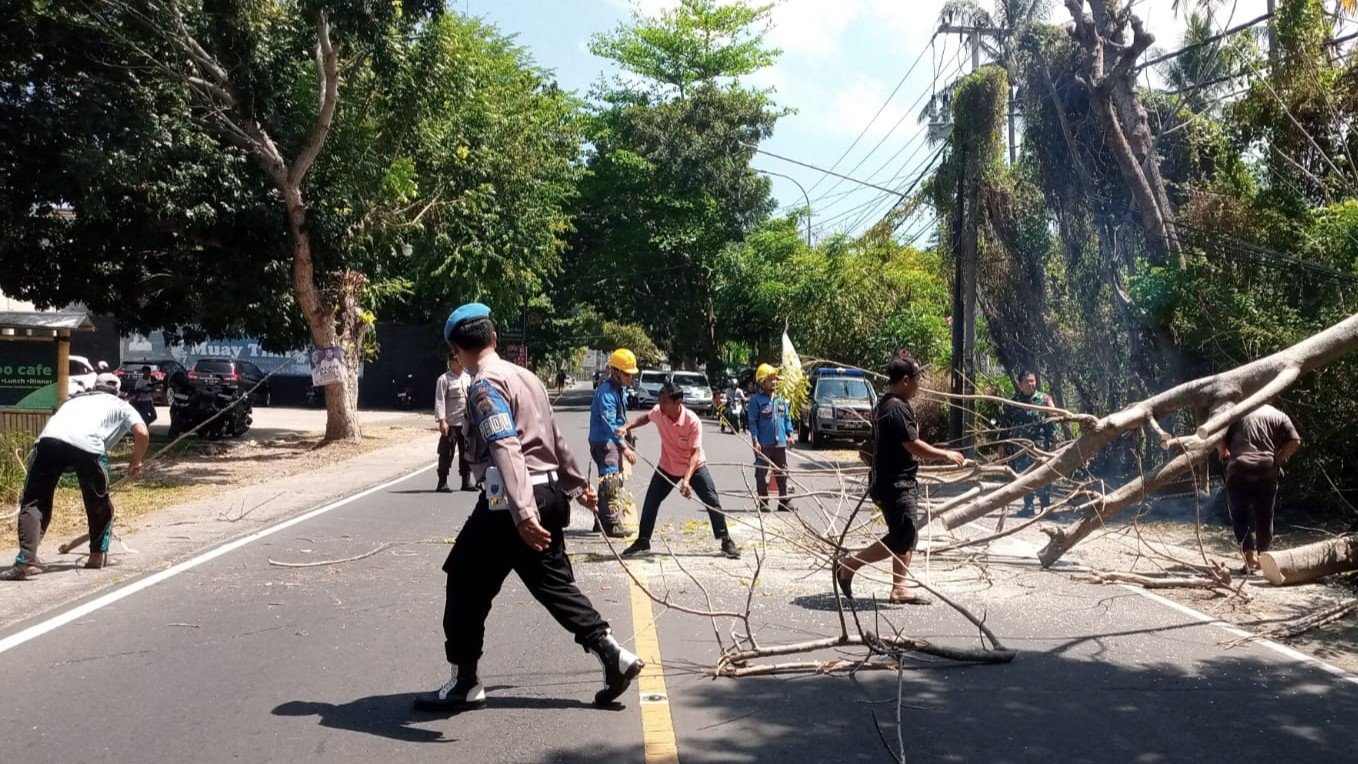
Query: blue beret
465	313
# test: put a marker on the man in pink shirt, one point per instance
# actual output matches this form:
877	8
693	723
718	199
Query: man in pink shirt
681	463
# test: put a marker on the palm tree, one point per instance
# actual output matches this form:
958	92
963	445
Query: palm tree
1200	73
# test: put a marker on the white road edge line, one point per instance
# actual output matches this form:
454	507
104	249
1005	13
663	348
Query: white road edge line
81	611
1211	620
1276	647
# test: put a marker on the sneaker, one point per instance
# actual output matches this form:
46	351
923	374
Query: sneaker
454	696
442	487
620	668
638	547
616	531
729	548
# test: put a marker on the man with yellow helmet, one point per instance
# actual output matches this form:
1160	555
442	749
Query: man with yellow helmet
607	415
770	434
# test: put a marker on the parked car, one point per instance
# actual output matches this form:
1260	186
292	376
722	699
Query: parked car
231	372
647	385
697	393
81	375
167	374
840	407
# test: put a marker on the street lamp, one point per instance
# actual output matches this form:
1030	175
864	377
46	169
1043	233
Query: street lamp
804	195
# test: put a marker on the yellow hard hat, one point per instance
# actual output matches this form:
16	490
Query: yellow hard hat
764	372
624	361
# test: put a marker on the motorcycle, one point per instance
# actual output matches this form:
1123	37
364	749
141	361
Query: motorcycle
405	391
198	404
731	413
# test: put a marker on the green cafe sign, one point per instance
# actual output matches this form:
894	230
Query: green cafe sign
28	375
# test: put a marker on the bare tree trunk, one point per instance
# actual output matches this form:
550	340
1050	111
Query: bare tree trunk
1310	562
211	87
1228	396
1117	107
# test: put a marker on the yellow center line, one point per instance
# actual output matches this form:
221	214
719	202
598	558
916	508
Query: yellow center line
657	726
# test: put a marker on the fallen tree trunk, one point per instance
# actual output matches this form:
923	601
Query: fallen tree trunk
1311	562
1228	396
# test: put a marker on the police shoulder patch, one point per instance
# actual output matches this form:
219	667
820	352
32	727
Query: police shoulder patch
494	419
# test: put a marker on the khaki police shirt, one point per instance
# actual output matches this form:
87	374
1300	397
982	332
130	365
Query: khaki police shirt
450	397
510	425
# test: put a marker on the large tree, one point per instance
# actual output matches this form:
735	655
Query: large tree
670	184
277	169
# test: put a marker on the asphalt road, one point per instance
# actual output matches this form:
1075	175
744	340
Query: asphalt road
235	659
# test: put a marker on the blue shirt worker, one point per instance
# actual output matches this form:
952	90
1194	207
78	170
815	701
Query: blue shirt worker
518	456
608	415
770	432
77	437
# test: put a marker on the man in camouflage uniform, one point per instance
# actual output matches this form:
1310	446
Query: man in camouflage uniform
1030	425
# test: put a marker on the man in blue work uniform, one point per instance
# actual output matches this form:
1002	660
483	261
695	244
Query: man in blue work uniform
518	455
770	431
608	415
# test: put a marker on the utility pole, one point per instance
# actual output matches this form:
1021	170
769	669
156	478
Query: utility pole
974	35
958	409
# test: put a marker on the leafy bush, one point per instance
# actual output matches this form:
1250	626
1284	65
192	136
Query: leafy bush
14	448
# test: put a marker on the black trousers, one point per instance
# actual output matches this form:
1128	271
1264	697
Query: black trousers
486	550
663	482
899	503
453	441
777	455
51	458
1251	490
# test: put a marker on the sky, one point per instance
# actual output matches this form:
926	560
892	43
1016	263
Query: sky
841	64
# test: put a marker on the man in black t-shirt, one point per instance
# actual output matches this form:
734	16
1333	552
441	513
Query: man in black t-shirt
896	453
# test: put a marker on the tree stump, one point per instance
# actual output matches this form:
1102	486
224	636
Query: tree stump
1310	562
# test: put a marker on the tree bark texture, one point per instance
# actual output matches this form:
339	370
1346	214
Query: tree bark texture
1311	562
1228	396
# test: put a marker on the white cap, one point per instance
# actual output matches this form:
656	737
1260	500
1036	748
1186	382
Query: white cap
108	383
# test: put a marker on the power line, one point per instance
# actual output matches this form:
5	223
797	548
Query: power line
885	103
904	116
818	169
1214	38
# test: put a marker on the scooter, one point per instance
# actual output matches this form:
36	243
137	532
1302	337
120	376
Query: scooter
731	413
405	391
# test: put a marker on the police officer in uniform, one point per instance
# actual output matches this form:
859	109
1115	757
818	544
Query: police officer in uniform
528	477
770	433
450	411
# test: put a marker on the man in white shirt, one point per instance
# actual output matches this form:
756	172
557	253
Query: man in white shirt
450	409
78	437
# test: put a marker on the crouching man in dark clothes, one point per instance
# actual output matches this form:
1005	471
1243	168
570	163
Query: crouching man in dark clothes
897	450
528	477
1255	449
78	437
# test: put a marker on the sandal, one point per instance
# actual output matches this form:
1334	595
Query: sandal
911	600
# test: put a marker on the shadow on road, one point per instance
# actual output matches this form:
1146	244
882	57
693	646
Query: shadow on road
386	716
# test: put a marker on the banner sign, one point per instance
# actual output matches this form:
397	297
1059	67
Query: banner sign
294	363
28	375
327	366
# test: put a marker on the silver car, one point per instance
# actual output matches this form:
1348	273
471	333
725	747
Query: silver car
697	393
